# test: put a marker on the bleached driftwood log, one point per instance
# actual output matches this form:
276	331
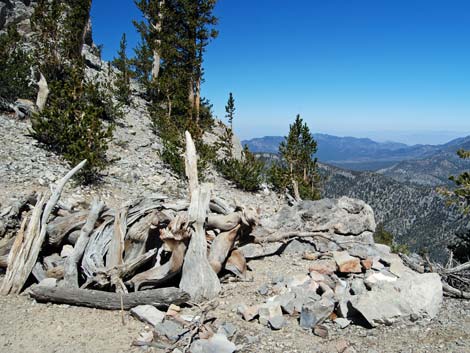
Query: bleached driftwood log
161	297
70	267
25	251
198	278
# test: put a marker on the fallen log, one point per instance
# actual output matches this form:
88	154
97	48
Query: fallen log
161	297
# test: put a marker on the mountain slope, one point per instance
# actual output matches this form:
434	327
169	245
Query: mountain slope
417	215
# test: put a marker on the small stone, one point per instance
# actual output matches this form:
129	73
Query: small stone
317	277
170	329
347	263
367	264
314	313
277	322
268	311
357	286
216	344
148	314
309	255
298	247
341	345
297	280
325	267
320	331
342	322
286	301
263	290
376	264
227	329
248	312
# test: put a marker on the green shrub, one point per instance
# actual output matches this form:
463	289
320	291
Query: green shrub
246	173
381	236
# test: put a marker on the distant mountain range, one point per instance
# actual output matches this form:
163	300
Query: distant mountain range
420	164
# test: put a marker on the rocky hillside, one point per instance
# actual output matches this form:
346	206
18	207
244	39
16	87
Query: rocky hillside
417	215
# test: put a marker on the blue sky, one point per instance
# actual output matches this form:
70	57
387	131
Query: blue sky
389	69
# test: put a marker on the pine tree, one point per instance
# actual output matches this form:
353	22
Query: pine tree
299	168
230	109
122	83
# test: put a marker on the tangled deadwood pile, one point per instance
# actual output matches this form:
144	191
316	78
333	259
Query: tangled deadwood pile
161	252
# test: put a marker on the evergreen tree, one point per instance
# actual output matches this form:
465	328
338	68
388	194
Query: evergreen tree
460	196
15	65
230	109
297	165
122	83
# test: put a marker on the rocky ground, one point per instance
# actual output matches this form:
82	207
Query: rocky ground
27	326
135	170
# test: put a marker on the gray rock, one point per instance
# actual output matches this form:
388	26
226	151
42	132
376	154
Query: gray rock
347	263
314	313
357	286
253	251
148	314
264	289
412	294
227	329
287	302
170	329
342	322
268	311
277	322
216	344
298	247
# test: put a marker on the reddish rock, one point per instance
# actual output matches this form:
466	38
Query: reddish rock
346	263
325	267
367	263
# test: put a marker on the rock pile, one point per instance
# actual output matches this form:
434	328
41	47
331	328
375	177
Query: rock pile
350	279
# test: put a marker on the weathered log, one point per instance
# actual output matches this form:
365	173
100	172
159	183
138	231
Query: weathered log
70	266
454	291
97	247
221	247
137	236
161	273
5	247
198	278
61	227
115	255
236	264
161	297
20	264
118	273
224	222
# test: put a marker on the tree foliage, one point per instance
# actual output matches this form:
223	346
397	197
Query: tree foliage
460	246
71	124
15	64
296	164
72	121
122	84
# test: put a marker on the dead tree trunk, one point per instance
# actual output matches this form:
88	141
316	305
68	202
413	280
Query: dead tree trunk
198	278
43	93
